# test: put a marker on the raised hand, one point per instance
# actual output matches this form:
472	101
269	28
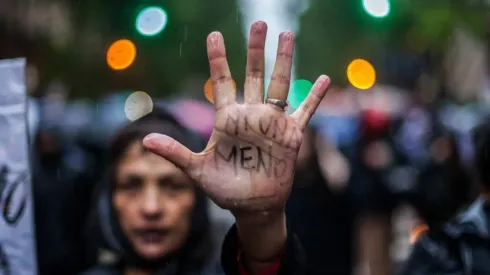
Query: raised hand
248	164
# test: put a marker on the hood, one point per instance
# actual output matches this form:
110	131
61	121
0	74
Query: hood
105	229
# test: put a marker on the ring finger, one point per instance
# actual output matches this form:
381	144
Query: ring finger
281	76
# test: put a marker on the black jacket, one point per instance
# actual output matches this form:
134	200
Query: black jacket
461	247
293	261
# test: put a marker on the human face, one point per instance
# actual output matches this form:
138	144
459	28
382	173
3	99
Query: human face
153	200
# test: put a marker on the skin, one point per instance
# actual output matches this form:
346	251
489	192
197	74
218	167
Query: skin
151	193
255	197
374	240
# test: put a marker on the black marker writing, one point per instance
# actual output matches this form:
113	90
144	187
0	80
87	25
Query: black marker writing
264	125
279	168
244	159
279	128
10	215
230	158
246	123
233	122
261	162
253	157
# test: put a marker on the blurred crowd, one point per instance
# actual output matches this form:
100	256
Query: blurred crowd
374	168
378	169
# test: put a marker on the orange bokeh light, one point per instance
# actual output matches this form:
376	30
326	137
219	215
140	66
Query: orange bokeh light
208	90
361	74
121	54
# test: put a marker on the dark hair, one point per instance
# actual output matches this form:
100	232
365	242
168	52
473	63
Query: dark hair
442	188
439	192
156	122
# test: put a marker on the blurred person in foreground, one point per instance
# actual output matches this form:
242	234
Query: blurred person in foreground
248	164
318	208
62	177
374	159
149	213
462	244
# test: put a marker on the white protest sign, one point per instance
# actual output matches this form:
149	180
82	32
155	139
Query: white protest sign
17	242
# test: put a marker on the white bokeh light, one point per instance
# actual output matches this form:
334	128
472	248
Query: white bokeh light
138	104
377	8
151	21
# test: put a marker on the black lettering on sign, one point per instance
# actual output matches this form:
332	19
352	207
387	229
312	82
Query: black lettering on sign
244	159
4	262
3	179
11	215
261	161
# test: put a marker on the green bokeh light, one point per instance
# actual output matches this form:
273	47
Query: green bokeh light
151	21
298	92
377	8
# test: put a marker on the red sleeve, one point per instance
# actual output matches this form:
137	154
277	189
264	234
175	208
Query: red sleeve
271	270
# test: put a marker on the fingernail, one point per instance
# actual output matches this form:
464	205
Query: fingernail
324	82
152	140
259	27
287	36
215	39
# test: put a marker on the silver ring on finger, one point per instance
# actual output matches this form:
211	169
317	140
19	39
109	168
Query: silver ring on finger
282	104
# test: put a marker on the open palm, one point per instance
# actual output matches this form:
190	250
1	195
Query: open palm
248	164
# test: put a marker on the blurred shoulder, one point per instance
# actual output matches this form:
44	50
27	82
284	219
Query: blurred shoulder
433	253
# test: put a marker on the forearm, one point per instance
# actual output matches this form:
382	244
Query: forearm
375	240
262	240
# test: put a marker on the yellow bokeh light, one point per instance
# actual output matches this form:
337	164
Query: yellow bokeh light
121	54
208	90
361	74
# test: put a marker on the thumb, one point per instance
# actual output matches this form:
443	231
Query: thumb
169	149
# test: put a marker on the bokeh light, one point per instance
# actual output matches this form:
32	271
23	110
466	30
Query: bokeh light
208	90
138	104
361	74
377	8
151	21
121	54
299	91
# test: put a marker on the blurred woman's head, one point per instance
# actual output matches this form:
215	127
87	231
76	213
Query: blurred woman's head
157	213
443	186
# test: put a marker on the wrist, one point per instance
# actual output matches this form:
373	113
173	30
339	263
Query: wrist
262	236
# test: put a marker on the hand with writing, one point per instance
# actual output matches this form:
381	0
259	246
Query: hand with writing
248	164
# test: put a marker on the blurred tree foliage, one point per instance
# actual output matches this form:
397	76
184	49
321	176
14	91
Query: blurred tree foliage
163	62
332	33
335	32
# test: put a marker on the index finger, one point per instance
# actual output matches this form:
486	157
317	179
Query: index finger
223	89
308	107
